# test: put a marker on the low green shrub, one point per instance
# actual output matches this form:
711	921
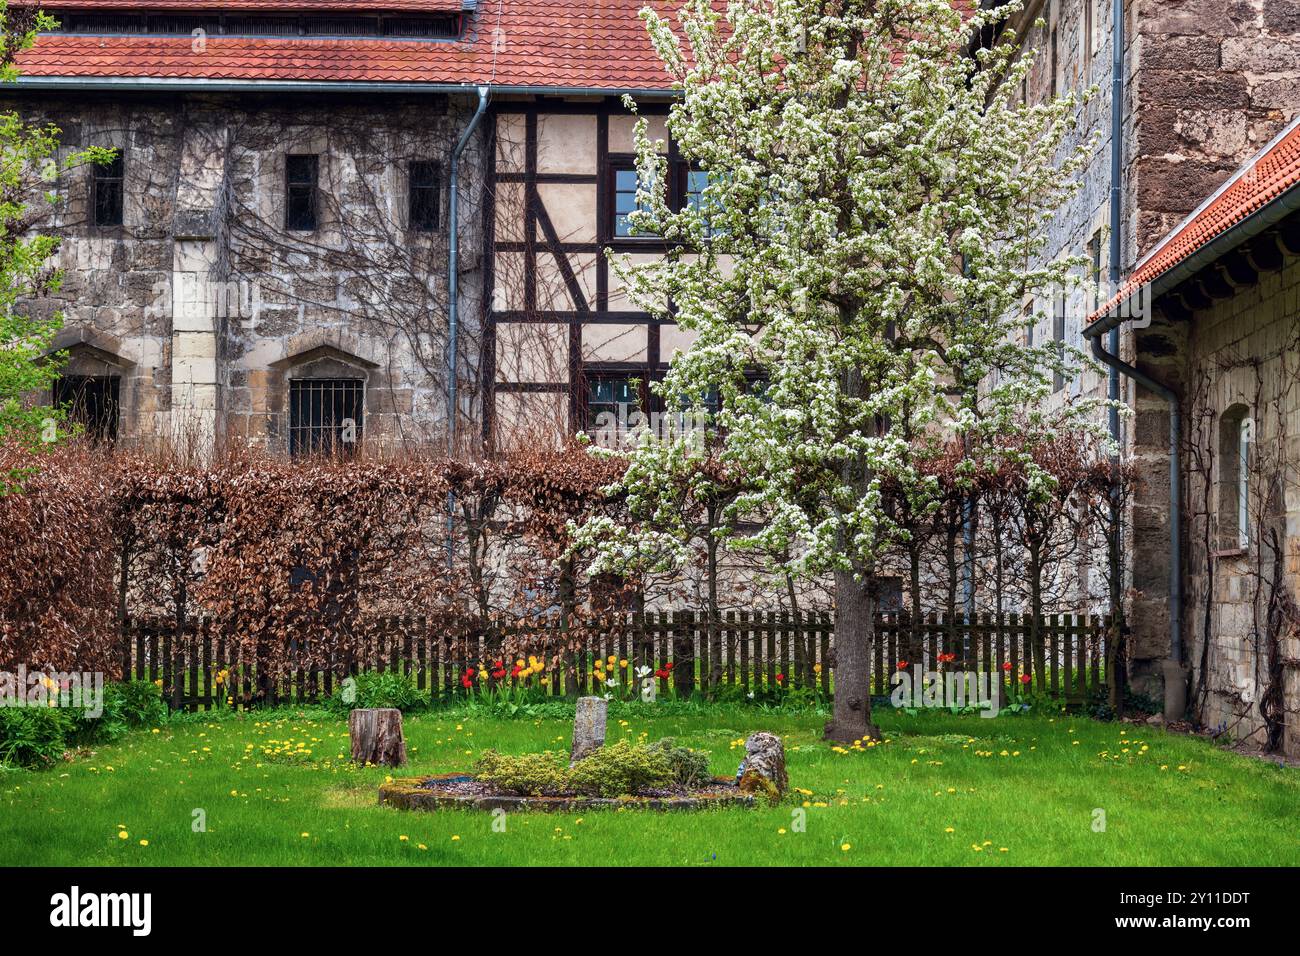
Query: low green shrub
690	768
128	705
142	704
373	689
523	774
33	736
619	769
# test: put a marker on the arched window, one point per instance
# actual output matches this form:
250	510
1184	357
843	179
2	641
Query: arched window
1235	435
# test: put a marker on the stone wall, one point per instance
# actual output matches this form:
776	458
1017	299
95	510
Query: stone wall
207	306
1216	80
1243	356
1209	83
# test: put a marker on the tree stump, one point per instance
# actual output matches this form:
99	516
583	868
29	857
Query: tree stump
763	769
376	736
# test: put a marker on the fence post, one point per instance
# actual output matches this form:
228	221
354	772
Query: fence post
1054	642
742	635
684	653
827	622
1094	647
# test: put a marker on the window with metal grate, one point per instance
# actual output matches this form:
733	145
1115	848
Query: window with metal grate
325	415
92	401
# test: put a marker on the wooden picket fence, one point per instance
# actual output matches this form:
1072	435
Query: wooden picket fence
760	652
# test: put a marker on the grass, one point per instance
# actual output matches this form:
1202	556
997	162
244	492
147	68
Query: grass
945	790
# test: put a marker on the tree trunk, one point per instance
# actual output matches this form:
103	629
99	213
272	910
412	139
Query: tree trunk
855	612
376	736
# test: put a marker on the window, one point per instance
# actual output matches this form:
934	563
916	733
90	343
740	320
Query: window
300	173
423	187
611	399
1235	436
1058	336
1094	280
1054	66
107	187
624	182
91	401
693	184
696	182
890	597
1089	25
325	415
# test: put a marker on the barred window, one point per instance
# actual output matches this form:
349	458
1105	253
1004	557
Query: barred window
325	415
92	402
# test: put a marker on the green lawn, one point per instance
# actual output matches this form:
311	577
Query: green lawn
944	790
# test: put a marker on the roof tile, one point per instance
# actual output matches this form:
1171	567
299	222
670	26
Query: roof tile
1270	173
597	44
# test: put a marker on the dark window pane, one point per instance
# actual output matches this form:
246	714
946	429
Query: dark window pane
424	189
92	402
107	190
617	395
300	192
325	415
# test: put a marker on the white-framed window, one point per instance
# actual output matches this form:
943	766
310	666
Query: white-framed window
1236	433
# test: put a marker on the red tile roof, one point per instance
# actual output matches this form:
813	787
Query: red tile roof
1270	173
569	44
596	44
55	7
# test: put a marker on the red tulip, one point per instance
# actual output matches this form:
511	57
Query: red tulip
1025	678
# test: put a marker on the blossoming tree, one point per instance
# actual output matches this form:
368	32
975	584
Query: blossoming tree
853	273
29	171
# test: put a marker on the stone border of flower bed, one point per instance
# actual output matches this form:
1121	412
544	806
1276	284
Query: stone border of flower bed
415	793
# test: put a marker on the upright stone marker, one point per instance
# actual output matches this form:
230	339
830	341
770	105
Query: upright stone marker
763	769
588	727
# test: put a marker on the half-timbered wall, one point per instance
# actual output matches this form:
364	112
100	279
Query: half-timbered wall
563	340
